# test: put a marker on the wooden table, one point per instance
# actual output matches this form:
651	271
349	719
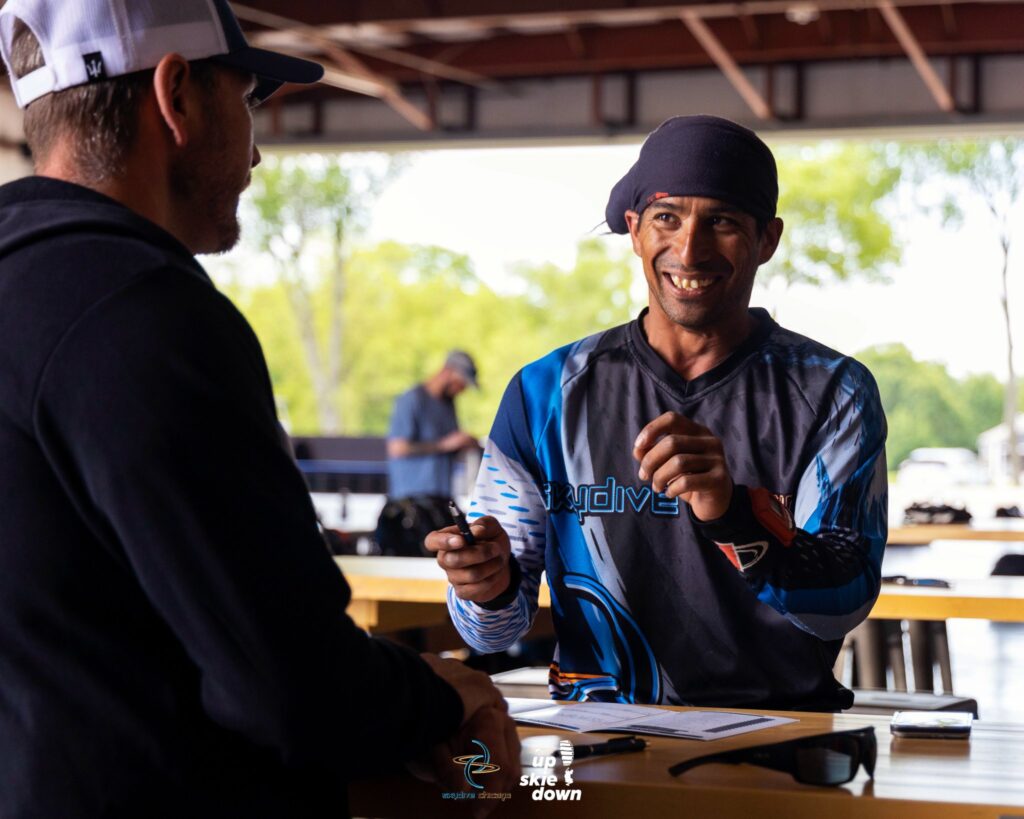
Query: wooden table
916	779
1001	529
395	592
1000	599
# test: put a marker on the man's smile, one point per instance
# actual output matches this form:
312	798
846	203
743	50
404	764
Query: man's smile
689	286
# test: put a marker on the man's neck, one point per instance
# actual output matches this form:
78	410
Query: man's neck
692	353
435	385
151	200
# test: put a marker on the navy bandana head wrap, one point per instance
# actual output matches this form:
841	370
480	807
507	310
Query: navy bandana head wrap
698	156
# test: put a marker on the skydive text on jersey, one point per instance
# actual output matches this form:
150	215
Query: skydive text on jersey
608	498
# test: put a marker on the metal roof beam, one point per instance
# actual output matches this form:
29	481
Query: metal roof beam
916	54
710	43
347	71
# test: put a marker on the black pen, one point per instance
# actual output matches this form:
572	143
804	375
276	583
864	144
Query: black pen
460	521
619	745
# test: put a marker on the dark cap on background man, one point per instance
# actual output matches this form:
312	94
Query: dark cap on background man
85	41
698	156
462	363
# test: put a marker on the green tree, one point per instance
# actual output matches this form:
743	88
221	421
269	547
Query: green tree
832	199
408	305
925	406
405	306
594	295
989	173
303	210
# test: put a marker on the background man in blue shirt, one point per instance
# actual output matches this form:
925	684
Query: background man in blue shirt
423	442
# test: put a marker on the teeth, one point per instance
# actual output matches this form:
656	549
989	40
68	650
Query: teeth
689	284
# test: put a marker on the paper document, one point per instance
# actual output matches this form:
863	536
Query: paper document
638	719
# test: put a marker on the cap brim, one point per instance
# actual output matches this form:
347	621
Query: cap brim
272	69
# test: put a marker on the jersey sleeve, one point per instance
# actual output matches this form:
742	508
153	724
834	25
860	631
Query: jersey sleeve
821	565
508	487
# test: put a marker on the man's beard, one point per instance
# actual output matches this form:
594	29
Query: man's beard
701	317
689	317
199	180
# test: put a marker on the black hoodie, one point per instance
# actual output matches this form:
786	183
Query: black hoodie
173	636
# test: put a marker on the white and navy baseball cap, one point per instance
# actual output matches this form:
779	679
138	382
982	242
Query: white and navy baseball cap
85	41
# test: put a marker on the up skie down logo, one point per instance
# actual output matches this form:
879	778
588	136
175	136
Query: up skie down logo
608	498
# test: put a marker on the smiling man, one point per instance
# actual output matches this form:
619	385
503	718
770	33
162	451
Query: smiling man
705	489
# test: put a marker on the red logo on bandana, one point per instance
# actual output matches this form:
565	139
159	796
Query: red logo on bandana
654	196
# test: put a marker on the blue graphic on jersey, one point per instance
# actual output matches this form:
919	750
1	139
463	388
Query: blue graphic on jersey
608	498
851	514
591	621
642	678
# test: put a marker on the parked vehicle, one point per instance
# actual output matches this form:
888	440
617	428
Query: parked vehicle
942	466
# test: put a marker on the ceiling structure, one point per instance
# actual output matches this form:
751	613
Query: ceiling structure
436	71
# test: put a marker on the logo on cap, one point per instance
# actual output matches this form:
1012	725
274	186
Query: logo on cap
95	70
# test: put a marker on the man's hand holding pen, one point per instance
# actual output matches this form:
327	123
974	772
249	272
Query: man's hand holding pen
477	571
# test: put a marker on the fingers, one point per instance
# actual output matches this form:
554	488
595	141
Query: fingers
669	422
477	572
677	466
484	588
688	484
474	688
685	453
497	731
470	556
485	528
436	541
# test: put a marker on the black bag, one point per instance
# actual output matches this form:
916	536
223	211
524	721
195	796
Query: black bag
404	524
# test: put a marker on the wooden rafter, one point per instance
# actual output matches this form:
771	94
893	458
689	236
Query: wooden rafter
713	46
916	54
344	69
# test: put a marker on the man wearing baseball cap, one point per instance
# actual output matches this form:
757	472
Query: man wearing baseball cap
705	489
424	439
173	635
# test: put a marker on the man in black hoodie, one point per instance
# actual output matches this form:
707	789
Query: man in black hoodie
173	636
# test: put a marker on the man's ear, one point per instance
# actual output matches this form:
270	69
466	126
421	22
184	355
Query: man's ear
170	85
770	239
633	223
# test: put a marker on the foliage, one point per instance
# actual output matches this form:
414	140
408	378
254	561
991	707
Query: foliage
992	173
831	199
302	211
925	406
405	306
347	327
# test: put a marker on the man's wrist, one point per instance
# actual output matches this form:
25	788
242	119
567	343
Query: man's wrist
503	600
754	523
721	510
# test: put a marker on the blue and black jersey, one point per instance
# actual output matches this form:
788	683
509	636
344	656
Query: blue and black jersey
650	604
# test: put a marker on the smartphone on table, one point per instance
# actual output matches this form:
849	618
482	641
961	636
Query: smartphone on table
932	724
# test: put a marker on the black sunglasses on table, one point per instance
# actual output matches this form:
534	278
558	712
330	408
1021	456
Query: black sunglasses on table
823	759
